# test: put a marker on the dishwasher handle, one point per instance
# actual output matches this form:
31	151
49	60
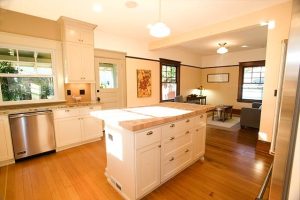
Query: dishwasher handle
29	114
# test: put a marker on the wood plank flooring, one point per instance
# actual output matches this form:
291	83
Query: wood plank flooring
231	170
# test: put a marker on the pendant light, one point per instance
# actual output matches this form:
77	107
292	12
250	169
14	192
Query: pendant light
222	49
159	29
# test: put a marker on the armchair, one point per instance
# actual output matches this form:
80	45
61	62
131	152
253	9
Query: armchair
250	117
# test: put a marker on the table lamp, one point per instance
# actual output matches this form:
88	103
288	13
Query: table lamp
201	88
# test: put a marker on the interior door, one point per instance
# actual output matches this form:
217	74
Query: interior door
110	82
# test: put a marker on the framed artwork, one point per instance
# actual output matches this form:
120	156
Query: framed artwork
143	83
218	78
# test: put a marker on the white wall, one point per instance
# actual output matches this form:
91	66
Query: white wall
136	48
233	58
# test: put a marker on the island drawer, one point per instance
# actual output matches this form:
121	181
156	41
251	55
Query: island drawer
147	137
172	128
175	142
200	119
176	161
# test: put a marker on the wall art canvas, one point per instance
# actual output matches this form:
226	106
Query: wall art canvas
143	83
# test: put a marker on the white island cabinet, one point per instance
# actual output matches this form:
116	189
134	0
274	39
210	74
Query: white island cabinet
144	150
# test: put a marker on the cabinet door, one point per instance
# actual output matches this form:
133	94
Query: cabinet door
148	168
72	34
87	36
91	128
73	66
67	131
87	63
199	137
6	152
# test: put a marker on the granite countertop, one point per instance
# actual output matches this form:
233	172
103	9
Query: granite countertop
40	107
135	119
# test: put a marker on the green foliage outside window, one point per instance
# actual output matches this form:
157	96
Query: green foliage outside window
24	88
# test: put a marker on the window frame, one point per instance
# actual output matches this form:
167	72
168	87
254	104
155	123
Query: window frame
172	63
242	66
54	74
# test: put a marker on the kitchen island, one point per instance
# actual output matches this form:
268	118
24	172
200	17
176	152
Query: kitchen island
146	146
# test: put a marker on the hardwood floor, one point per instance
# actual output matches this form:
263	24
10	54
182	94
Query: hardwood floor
231	170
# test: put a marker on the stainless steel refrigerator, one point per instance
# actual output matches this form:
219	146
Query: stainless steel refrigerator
289	108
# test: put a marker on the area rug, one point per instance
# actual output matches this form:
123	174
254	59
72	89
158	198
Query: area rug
229	123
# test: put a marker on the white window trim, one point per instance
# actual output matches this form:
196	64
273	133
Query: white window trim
54	75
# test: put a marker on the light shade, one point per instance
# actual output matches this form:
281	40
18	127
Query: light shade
159	30
222	50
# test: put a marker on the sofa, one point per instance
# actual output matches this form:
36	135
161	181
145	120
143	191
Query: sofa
250	117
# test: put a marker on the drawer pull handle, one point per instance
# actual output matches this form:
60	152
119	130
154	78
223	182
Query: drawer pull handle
187	121
150	133
197	130
172	138
159	146
67	110
171	159
201	116
187	150
172	125
187	132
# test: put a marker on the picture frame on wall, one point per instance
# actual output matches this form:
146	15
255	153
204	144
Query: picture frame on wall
143	83
218	78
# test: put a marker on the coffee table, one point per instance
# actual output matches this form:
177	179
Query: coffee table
223	112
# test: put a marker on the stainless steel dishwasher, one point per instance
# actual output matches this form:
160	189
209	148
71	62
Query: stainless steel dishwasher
32	133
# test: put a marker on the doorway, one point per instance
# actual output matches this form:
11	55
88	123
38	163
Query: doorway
110	82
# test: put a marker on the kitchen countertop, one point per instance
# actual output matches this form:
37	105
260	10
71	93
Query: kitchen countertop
135	119
52	106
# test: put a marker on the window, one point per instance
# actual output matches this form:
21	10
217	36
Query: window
25	75
108	75
169	80
251	81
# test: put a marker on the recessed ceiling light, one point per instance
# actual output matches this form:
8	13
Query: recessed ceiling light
244	46
131	4
97	7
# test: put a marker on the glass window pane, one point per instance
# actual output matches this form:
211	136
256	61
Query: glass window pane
255	75
43	58
25	88
247	80
248	70
263	69
247	75
256	69
8	54
252	91
164	68
8	67
108	75
26	68
27	56
168	91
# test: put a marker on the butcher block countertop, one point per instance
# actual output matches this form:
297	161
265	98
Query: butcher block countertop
135	119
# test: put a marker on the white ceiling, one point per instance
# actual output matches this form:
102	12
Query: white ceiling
115	18
254	37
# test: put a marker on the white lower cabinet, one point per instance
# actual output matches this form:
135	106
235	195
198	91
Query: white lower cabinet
75	126
6	150
67	131
148	168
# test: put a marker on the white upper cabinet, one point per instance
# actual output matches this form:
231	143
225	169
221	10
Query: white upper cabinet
78	48
79	35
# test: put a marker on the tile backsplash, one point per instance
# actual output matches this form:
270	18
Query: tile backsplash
82	90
